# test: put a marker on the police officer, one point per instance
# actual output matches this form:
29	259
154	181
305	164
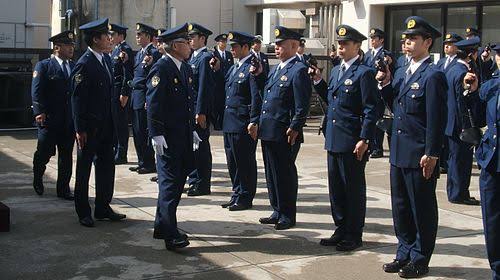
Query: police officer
459	152
301	50
488	157
226	61
285	107
170	98
450	50
352	97
404	59
334	58
144	59
91	99
52	111
483	60
121	60
376	52
241	118
417	95
204	86
264	60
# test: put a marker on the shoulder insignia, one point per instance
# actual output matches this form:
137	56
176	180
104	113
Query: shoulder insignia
284	78
348	82
35	74
155	81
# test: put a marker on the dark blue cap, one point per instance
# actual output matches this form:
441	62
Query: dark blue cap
144	28
348	33
96	26
159	32
451	37
195	28
375	32
496	47
471	31
237	37
468	44
416	25
221	37
118	28
65	37
282	33
178	32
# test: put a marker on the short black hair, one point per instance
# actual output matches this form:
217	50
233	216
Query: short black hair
88	38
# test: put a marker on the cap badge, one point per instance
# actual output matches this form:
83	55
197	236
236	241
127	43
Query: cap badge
342	31
70	35
467	30
448	36
78	78
276	32
190	27
230	36
109	27
138	26
372	31
159	32
411	24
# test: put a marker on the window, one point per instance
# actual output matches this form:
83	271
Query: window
396	28
461	17
433	16
490	29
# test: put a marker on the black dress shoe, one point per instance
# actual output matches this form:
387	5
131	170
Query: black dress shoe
110	215
443	170
229	203
283	225
239	207
134	168
377	154
412	270
348	245
87	221
67	196
38	186
268	221
144	170
154	179
332	241
394	266
471	201
176	243
196	191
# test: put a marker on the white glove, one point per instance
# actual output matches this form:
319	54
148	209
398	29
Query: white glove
158	144
196	141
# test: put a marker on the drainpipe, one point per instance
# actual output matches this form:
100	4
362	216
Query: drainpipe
320	21
96	9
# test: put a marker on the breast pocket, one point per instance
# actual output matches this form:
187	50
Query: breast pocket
415	101
347	95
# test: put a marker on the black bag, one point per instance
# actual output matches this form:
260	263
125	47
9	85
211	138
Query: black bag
471	135
385	124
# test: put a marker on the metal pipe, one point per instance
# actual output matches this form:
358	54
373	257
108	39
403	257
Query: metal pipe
320	24
96	9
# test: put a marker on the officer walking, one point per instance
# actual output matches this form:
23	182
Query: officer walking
285	107
256	49
170	99
417	95
204	86
352	96
488	158
91	98
121	60
144	59
52	111
376	52
226	61
460	152
241	119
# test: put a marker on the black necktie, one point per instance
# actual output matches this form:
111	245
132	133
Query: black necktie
65	69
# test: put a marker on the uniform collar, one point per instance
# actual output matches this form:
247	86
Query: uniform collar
147	46
284	63
452	57
177	62
99	56
59	60
196	52
349	63
414	65
243	60
378	49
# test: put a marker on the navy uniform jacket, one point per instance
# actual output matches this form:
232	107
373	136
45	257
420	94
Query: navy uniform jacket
265	63
91	87
170	98
203	82
440	64
369	60
123	72
456	102
50	93
138	98
419	119
352	103
225	64
402	62
286	102
488	150
243	99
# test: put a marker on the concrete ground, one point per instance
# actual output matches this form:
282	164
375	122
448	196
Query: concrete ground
46	241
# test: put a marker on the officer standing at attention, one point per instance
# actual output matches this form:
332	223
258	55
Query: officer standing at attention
300	51
241	118
52	111
460	152
226	61
204	86
351	95
377	51
488	158
170	99
285	107
418	96
91	98
264	60
405	59
123	70
450	51
144	59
